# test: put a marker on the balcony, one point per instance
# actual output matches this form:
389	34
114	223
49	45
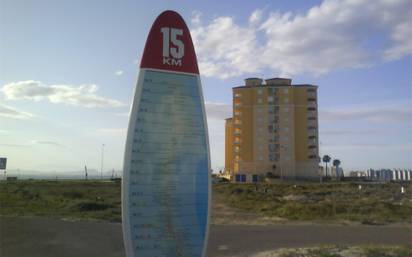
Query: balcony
312	142
238	122
311	94
312	156
312	123
237	105
237	132
313	151
312	133
312	114
237	95
312	104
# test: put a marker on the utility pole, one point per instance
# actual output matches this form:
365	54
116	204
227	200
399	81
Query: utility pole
85	172
101	164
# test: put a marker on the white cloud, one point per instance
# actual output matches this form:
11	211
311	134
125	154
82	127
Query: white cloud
371	146
119	73
123	114
10	112
47	142
196	18
225	49
343	132
333	35
372	112
83	95
218	111
112	131
255	17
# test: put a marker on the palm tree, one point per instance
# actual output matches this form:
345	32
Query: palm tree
336	163
326	159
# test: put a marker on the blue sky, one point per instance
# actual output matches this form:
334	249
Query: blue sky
68	69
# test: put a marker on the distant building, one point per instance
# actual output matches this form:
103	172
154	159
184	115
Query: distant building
274	128
389	174
357	174
336	172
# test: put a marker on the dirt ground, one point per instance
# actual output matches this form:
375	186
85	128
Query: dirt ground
52	237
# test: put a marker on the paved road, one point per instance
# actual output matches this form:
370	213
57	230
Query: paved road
42	237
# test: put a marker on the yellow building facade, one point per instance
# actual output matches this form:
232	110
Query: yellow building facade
273	131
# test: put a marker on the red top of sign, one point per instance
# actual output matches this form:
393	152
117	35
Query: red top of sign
169	45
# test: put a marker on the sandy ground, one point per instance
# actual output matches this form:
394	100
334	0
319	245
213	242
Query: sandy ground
51	237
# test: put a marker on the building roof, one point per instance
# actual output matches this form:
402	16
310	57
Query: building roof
264	85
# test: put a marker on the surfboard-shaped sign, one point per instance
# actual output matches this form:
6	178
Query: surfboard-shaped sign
166	184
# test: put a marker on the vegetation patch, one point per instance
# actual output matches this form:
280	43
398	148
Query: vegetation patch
68	199
335	201
341	251
375	204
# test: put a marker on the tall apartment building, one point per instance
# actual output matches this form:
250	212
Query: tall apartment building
274	129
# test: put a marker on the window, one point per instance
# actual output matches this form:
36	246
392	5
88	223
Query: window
273	157
260	91
273	147
286	109
243	178
311	108
286	100
270	99
260	158
255	178
260	100
286	90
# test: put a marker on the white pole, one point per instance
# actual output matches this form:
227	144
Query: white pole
101	164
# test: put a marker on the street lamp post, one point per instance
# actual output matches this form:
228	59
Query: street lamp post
101	163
